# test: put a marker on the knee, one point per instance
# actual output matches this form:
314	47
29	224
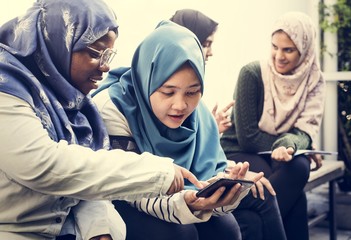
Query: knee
301	166
250	223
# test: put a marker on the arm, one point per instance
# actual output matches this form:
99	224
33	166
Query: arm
171	208
295	139
56	168
248	109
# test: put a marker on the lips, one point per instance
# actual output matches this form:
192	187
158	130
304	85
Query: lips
177	118
96	79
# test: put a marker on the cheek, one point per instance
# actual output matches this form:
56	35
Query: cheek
193	103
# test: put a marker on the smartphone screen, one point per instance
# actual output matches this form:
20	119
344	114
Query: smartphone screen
228	183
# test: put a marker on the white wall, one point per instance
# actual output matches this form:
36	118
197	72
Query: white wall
243	35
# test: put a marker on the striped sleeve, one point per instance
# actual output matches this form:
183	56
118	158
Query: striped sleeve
171	208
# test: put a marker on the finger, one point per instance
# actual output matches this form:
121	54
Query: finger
214	110
268	185
226	108
180	184
259	187
243	170
191	177
290	150
257	177
254	191
234	171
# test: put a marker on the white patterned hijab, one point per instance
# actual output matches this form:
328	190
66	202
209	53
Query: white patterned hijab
295	100
35	61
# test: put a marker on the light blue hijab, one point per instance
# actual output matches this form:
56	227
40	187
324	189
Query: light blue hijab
35	60
194	145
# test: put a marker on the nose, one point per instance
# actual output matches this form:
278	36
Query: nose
209	52
179	103
280	55
105	67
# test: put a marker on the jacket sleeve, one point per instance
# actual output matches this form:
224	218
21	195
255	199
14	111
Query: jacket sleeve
57	168
94	218
248	110
171	208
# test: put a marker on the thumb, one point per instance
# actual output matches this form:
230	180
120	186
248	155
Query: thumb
290	150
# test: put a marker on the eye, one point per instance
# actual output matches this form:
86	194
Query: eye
168	94
193	93
290	50
94	53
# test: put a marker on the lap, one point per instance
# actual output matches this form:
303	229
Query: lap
143	226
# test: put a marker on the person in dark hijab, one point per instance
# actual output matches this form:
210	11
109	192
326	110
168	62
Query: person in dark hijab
204	28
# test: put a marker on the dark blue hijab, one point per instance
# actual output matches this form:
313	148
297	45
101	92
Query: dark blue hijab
35	60
195	144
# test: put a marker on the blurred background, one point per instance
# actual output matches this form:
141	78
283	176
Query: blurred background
243	34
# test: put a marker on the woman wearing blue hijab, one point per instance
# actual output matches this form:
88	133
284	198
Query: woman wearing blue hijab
54	147
155	106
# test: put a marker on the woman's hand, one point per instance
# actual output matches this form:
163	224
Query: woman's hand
178	182
283	154
214	201
258	178
223	117
258	188
316	158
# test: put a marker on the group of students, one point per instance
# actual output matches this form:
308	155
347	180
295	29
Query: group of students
125	160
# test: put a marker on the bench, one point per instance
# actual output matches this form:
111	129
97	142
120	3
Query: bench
330	171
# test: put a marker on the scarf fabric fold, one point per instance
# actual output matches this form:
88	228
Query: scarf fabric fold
36	51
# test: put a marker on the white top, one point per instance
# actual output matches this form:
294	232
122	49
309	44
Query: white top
168	208
41	180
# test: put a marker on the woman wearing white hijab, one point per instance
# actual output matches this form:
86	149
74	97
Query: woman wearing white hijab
279	107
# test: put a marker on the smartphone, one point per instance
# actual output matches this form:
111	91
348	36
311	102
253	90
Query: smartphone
228	183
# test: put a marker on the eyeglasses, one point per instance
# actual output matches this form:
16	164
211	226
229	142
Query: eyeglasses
105	56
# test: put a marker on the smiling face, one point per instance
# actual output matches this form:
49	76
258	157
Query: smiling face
85	65
177	98
285	55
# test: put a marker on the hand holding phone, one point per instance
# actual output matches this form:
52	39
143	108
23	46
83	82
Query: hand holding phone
228	183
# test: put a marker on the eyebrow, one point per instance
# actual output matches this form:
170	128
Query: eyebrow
292	47
171	86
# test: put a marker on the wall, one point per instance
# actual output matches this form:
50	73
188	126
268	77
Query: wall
243	34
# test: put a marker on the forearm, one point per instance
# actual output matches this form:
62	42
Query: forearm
171	209
248	110
32	159
295	138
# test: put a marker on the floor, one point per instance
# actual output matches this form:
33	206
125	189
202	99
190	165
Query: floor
317	201
322	233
